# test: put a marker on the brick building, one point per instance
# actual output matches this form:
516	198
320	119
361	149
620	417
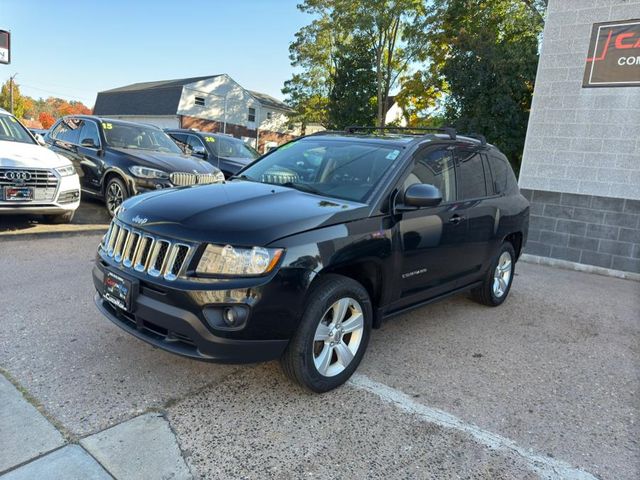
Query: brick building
215	103
581	164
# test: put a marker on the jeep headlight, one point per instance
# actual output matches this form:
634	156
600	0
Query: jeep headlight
237	261
146	172
66	171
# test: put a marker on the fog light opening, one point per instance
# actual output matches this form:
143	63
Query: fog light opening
230	317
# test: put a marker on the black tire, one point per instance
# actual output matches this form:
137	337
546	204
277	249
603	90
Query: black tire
113	184
66	217
298	359
485	293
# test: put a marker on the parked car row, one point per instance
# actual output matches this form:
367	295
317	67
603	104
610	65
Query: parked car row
110	159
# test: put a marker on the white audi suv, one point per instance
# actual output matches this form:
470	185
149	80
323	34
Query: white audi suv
33	179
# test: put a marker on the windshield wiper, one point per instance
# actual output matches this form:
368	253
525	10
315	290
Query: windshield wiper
241	177
301	186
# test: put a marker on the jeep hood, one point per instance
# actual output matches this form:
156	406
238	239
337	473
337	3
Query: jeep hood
240	212
27	155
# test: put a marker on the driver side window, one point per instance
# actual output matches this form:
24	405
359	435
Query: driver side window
436	168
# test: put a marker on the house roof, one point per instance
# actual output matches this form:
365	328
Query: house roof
179	82
144	98
268	100
158	98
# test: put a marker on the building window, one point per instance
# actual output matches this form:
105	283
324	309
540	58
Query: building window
269	115
252	114
199	101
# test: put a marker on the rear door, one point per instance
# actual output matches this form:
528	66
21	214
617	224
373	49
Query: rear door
90	155
479	211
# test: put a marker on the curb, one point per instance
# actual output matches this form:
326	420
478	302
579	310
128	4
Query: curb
580	267
53	232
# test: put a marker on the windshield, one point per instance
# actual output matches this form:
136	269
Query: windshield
328	167
12	131
125	135
228	147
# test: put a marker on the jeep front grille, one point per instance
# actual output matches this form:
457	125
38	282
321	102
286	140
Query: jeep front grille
185	179
144	253
43	181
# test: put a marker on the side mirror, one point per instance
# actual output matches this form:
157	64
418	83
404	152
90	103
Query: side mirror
199	151
422	195
40	140
88	142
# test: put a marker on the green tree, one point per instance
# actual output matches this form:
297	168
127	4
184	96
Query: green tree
352	99
18	99
484	59
392	30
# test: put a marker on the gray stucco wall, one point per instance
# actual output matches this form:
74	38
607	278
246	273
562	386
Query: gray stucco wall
581	140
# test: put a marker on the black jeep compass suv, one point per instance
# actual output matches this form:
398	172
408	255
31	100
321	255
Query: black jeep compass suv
311	246
117	159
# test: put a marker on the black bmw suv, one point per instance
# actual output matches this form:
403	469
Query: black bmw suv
117	159
227	153
310	247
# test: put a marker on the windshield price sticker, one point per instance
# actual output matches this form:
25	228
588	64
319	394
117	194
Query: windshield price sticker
210	139
107	126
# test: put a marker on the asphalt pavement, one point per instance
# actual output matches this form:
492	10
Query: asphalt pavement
545	386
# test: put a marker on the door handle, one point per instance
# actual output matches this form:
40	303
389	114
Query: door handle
456	219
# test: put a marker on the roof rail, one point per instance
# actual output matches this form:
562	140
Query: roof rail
447	130
477	136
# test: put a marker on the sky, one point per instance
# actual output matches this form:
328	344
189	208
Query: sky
73	49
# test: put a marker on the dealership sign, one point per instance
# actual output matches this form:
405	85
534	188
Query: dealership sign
5	47
614	55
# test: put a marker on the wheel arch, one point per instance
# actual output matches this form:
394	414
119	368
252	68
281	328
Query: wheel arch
515	239
115	172
367	273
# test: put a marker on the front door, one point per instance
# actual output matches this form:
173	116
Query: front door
432	239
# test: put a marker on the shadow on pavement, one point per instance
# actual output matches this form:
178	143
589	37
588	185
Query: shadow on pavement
90	212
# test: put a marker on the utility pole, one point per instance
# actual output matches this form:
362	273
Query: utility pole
11	91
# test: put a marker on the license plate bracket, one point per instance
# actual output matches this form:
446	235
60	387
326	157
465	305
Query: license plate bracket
119	290
18	194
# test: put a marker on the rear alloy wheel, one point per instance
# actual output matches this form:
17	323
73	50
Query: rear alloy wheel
332	336
499	277
114	194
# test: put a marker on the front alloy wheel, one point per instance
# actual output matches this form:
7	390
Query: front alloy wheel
338	337
332	336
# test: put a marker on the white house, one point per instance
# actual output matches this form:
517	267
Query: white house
215	103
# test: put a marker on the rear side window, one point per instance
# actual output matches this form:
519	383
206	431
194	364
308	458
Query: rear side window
500	172
470	173
68	131
436	168
89	135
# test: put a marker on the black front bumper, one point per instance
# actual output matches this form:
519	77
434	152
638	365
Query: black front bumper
180	331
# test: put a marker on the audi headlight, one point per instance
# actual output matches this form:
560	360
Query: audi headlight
145	172
66	171
228	260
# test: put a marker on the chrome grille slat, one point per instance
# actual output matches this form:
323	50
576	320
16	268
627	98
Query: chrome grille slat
43	181
144	253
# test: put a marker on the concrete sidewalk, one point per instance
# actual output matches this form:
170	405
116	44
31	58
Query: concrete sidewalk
31	447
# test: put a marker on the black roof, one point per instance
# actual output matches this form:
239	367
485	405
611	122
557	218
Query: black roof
158	98
145	98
